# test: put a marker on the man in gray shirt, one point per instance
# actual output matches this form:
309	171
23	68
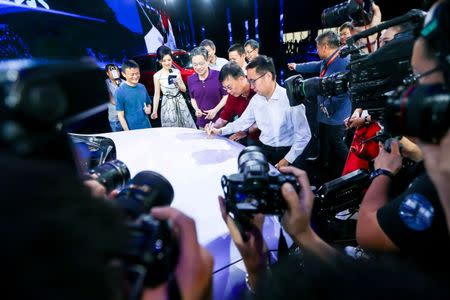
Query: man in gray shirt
215	62
284	129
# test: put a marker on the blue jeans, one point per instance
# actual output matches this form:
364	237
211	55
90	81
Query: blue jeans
115	126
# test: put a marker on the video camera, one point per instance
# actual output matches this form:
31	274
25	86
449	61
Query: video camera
370	76
359	11
255	189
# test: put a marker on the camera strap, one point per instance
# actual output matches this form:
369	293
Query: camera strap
283	249
329	62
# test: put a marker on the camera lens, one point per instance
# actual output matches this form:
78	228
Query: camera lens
250	157
252	163
112	175
421	112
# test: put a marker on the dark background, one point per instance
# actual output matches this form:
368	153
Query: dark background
298	16
48	35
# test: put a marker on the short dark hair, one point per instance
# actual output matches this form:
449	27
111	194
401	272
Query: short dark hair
230	69
207	43
330	38
107	66
348	25
252	43
237	47
129	64
262	64
199	51
163	51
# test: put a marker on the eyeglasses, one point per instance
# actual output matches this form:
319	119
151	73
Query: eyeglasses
250	52
252	81
414	78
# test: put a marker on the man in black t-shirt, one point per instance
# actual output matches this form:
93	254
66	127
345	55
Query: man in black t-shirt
413	223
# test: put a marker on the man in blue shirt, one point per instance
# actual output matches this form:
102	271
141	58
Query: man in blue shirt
332	110
133	103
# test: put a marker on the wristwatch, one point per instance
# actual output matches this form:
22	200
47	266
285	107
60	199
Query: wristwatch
379	172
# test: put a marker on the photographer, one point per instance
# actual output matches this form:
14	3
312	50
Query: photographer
333	110
296	222
383	225
437	164
65	244
321	272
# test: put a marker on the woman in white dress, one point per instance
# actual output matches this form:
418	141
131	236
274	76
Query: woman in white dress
169	84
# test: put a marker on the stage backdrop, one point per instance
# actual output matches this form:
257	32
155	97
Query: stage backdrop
106	30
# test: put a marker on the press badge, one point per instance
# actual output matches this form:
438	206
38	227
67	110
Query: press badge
416	212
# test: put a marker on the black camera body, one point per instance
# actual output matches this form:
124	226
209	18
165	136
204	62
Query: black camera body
261	196
359	11
153	249
255	189
342	193
152	255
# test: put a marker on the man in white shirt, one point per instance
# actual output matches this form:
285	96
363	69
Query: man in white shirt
284	129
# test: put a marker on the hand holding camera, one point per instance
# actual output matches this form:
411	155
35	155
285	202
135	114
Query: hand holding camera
251	244
390	161
296	219
195	265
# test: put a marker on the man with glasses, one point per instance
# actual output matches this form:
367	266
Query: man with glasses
284	129
251	48
236	53
240	93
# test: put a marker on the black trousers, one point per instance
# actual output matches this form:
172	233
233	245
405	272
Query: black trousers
333	150
274	154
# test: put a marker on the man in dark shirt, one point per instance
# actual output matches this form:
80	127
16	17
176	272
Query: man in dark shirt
333	110
412	223
240	93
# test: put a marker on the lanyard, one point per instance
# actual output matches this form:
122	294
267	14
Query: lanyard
329	62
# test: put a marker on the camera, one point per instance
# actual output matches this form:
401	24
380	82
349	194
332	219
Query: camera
370	77
153	249
255	189
342	193
420	111
299	89
359	11
112	175
40	101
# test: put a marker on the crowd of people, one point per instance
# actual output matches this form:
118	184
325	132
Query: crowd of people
404	217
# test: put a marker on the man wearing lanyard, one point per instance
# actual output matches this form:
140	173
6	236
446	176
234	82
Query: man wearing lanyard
332	110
